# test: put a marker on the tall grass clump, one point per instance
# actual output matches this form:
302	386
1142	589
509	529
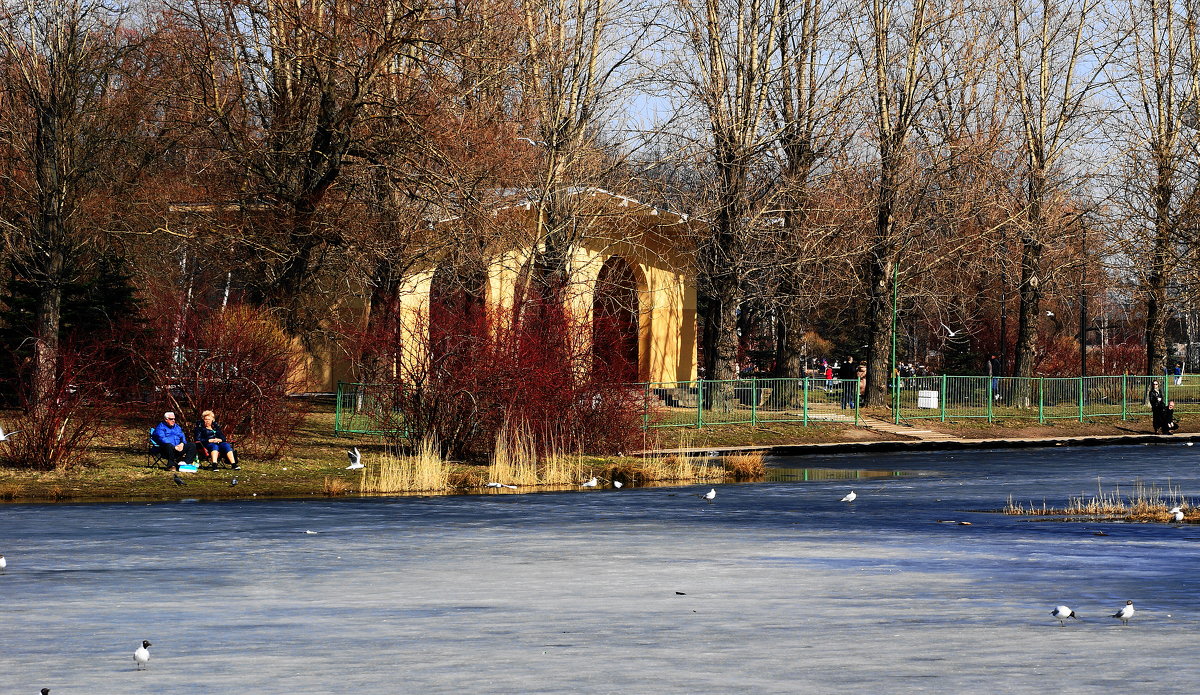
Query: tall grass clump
423	471
1145	502
745	466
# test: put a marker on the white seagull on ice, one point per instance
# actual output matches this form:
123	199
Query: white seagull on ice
710	495
1061	613
1125	613
850	498
510	487
141	655
1176	514
591	483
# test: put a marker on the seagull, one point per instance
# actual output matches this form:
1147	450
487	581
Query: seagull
510	487
4	436
535	143
618	484
311	533
355	459
950	333
1062	613
1049	313
1125	613
850	498
141	655
1176	514
710	495
3	563
591	483
179	481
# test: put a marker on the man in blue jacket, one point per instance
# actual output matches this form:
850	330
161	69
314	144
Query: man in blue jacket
171	442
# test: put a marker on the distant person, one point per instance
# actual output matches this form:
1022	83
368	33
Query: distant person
1169	422
846	372
1178	373
211	439
1158	407
828	372
172	443
862	383
994	369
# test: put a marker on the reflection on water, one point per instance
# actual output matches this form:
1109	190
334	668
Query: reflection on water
791	475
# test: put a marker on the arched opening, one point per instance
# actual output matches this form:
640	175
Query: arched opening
457	316
616	320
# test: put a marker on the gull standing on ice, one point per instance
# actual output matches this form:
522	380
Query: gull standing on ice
710	495
1176	515
3	563
141	655
591	483
1125	613
1061	613
850	498
355	459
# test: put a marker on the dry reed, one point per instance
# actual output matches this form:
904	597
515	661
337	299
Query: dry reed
1144	503
335	486
745	466
423	471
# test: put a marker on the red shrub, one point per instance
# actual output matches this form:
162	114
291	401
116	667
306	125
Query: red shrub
480	373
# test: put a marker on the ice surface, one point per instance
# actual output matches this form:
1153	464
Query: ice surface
786	589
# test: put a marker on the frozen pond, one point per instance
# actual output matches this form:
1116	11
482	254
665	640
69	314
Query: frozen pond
785	589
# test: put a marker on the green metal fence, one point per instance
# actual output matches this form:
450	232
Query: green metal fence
370	409
1041	399
704	403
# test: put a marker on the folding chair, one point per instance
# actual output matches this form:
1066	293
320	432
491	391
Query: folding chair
154	456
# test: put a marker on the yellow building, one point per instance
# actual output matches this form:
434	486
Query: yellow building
631	260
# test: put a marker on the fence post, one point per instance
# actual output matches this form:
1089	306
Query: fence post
990	397
1124	395
337	411
754	401
1166	387
699	404
942	398
646	408
1041	400
1081	399
805	387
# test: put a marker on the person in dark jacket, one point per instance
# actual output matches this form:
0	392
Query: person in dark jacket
1158	407
994	369
172	443
1169	423
211	438
848	371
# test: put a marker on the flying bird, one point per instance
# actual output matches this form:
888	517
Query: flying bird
1125	613
355	459
591	483
1049	314
141	655
5	436
178	480
950	333
1061	613
850	498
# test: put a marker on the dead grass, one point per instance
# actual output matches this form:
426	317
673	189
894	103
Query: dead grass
745	466
423	471
1145	503
334	487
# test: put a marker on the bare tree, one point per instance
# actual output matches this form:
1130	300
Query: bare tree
1056	55
1159	91
72	117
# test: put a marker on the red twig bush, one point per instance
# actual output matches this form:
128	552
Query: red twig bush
469	375
57	431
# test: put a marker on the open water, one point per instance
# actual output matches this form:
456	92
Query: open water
784	588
